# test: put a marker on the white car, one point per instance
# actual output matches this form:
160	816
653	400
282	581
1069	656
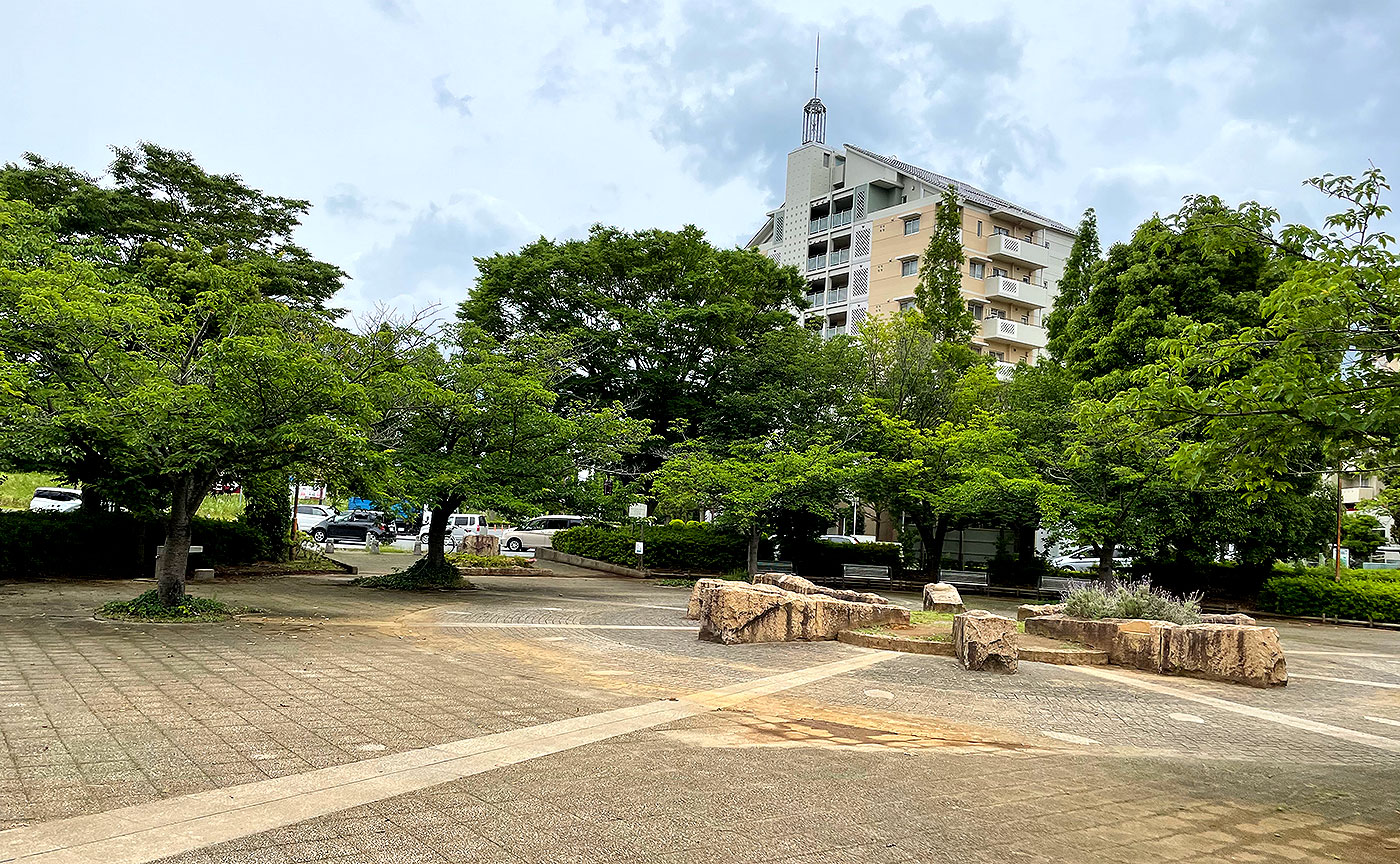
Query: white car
538	532
1085	560
56	500
839	538
459	527
311	515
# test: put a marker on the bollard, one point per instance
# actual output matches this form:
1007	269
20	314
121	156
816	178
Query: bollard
330	546
372	541
418	545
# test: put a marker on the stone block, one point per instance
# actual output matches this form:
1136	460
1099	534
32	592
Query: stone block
797	585
1094	633
1232	618
1035	610
693	608
1140	644
1227	652
738	612
983	641
942	597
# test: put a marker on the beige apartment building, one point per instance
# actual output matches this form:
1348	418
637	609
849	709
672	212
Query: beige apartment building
855	222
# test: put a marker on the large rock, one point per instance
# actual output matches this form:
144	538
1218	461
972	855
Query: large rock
1227	652
1232	618
1096	633
983	641
1140	644
797	585
737	612
693	608
942	597
1036	610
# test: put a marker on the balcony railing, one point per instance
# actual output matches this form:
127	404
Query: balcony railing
1006	330
839	256
836	331
817	298
816	262
1016	291
818	224
1004	370
836	295
1028	254
841	217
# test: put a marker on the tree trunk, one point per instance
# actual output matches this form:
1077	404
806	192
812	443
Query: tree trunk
186	494
940	534
437	530
92	500
751	564
1106	559
932	536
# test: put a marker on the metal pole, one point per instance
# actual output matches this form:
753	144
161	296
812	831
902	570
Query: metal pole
1338	559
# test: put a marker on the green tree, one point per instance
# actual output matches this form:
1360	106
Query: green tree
751	485
938	294
1076	281
661	322
1362	534
468	420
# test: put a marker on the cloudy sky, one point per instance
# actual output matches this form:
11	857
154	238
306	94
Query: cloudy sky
427	133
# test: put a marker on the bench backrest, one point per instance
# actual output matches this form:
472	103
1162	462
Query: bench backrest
866	570
964	577
775	567
1056	583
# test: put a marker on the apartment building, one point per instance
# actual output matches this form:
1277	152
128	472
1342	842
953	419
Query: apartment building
856	222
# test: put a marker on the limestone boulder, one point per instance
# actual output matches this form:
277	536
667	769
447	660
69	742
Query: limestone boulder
797	585
1140	644
1096	633
1036	610
1227	652
942	597
1232	618
737	612
693	608
983	641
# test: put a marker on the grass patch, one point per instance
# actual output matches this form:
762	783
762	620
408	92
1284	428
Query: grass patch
148	607
225	508
420	576
17	489
919	616
467	561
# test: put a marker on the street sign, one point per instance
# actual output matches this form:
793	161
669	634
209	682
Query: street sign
639	547
637	511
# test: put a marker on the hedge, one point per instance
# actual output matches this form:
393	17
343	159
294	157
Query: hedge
1355	599
821	560
700	547
36	545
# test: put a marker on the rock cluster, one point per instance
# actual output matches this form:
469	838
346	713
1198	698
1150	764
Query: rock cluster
1242	653
797	585
942	597
738	612
1035	610
983	641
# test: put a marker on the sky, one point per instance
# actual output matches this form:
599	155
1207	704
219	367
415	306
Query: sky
428	134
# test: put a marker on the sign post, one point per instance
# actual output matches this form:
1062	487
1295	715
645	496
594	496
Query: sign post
639	512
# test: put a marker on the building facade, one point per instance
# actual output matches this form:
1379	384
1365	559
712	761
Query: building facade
856	223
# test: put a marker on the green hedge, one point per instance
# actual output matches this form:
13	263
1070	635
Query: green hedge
700	547
1356	599
109	545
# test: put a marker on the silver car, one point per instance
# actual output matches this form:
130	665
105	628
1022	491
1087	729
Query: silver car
538	532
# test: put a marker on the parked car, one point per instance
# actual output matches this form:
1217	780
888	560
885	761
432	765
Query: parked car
311	515
538	532
56	500
1085	559
839	538
459	526
356	525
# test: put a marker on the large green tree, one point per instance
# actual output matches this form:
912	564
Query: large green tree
938	294
1076	280
686	335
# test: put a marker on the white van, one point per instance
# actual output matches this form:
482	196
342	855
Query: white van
56	500
459	527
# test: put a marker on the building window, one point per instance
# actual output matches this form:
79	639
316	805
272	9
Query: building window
997	356
997	229
904	199
997	313
826	160
979	227
906	305
911	225
1025	319
977	270
909	267
998	271
975	309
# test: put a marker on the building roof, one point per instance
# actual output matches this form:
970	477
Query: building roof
965	191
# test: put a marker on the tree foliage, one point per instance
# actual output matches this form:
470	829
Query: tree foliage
938	294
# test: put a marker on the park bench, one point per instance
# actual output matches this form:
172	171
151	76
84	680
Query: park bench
867	575
1056	584
775	567
964	578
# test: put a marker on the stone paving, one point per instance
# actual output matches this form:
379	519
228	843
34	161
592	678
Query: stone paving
909	759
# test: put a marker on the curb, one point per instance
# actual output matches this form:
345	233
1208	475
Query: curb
1053	656
546	554
348	568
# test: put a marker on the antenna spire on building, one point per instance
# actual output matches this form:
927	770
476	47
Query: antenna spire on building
814	114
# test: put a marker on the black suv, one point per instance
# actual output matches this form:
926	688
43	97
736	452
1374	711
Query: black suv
356	525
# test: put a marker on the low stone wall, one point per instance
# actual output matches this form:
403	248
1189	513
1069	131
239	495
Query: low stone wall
1035	610
738	612
1240	653
547	554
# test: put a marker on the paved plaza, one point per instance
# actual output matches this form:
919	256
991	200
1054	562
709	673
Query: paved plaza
571	718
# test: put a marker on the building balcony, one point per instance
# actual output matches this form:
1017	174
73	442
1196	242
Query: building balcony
836	295
816	262
1004	370
1005	330
1023	253
841	217
817	299
818	225
838	256
1016	291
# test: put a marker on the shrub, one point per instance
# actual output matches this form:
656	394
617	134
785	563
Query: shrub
420	576
821	560
676	523
148	607
1132	600
1352	598
701	547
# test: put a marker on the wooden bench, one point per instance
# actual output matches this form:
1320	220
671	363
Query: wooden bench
964	578
868	575
775	567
